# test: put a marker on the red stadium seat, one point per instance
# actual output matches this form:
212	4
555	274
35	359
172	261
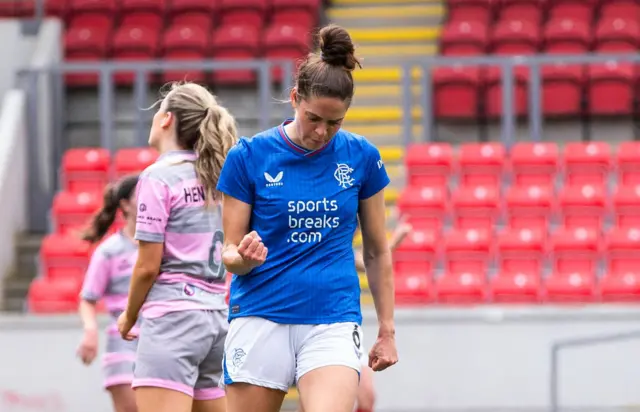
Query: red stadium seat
92	12
57	8
617	35
529	207
627	9
583	206
17	8
85	43
562	89
622	280
184	43
628	163
567	36
610	89
456	92
575	253
134	43
85	169
246	12
534	163
429	164
626	206
530	10
413	288
572	9
460	38
425	207
481	164
522	253
53	296
285	42
493	96
235	42
515	37
587	163
72	211
470	10
476	207
197	13
467	254
416	254
64	257
133	160
149	13
303	12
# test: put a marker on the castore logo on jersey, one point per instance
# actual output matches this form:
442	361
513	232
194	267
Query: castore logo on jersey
274	181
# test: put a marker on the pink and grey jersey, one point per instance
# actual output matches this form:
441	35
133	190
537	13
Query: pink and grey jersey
109	273
171	210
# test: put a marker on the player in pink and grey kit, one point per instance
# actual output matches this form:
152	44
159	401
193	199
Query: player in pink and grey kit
108	278
178	282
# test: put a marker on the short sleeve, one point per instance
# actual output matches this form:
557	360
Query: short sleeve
97	277
376	177
154	203
234	178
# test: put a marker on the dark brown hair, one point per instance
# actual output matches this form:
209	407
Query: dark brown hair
327	73
204	126
105	217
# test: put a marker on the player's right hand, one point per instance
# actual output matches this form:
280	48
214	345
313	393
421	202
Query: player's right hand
252	250
88	349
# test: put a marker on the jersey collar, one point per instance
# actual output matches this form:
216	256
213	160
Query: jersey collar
296	148
177	155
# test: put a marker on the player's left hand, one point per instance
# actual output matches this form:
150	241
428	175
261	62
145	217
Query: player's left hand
383	354
125	324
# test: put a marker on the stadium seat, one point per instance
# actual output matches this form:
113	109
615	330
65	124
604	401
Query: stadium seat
85	169
416	254
302	12
460	38
470	10
521	260
456	92
493	95
515	37
481	164
425	207
148	13
530	10
85	44
575	254
194	13
534	163
587	163
91	13
236	43
56	8
17	8
134	43
628	163
614	9
617	35
413	288
467	254
429	164
133	160
622	279
567	36
572	9
529	207
247	12
626	206
610	90
285	42
64	257
476	207
583	206
48	296
184	43
562	89
72	211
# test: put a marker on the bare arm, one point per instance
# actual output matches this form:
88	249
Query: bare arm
377	260
145	271
87	311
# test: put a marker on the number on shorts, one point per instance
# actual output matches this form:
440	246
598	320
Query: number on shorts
356	337
215	256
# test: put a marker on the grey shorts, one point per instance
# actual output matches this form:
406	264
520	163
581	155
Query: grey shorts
183	351
118	360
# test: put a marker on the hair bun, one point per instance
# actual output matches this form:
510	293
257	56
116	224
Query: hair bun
336	47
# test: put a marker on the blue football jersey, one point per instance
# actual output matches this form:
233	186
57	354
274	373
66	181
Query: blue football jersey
305	207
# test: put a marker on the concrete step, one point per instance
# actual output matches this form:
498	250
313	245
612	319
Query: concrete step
373	55
27	250
391	34
365	3
383	94
380	114
389	73
387	16
383	134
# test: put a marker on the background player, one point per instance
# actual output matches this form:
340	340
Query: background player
108	278
179	280
298	190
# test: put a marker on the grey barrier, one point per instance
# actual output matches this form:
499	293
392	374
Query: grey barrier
507	64
28	79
